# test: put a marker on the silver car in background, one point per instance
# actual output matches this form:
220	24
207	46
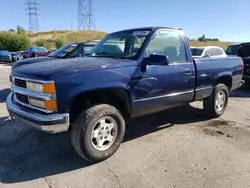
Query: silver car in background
207	51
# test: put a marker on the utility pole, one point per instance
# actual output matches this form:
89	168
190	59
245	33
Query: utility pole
32	8
85	15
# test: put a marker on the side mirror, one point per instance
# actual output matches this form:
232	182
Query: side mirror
206	55
155	59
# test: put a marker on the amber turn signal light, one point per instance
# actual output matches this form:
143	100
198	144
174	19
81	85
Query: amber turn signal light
49	88
51	105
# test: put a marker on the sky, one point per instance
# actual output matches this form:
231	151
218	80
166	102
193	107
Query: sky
228	20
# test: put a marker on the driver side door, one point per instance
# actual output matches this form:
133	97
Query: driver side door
164	86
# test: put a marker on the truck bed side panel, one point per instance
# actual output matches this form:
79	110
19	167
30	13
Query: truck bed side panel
210	70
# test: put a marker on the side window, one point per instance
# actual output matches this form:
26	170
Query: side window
208	51
169	44
40	50
87	49
79	52
31	50
216	51
246	51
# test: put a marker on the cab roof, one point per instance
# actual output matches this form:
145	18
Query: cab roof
150	28
240	43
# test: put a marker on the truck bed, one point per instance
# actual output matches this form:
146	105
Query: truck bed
208	70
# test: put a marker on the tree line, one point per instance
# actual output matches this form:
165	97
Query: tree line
203	38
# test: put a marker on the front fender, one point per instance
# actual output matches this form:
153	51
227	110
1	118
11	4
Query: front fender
88	88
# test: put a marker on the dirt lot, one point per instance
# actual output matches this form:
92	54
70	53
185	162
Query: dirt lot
175	148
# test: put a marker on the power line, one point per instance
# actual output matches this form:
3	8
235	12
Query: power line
85	15
32	8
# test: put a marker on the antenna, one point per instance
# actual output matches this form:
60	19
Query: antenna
85	15
32	8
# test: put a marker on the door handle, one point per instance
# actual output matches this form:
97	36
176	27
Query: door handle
187	71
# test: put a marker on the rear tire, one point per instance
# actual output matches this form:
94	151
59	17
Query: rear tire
215	105
93	128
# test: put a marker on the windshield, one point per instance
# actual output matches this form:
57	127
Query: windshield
232	50
42	49
197	51
124	44
82	50
32	49
61	52
88	48
4	53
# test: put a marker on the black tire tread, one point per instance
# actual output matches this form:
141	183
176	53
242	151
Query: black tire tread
80	125
208	103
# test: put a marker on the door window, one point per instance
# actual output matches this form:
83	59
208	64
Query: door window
208	51
169	44
216	51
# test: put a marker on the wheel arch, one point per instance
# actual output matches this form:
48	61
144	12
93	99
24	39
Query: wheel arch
116	96
226	79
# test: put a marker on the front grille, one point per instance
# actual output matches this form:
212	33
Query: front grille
22	98
20	83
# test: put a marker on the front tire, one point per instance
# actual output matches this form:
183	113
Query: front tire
216	104
98	132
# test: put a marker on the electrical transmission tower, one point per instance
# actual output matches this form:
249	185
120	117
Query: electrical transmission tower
32	8
85	15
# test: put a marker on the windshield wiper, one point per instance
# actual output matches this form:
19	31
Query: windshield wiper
108	55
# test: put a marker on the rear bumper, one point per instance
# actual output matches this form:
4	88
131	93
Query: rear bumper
52	123
237	84
242	82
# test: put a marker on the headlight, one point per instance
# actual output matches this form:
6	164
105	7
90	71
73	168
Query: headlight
36	87
41	88
48	104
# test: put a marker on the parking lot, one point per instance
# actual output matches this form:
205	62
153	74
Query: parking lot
175	148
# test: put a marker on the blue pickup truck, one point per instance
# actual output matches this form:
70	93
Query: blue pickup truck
129	73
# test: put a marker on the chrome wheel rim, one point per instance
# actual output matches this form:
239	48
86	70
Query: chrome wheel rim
104	133
220	100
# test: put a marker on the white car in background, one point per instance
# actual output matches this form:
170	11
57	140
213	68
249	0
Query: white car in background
208	51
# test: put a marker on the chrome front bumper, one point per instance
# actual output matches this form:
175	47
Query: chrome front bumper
50	123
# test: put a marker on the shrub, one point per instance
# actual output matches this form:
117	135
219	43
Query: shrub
101	36
83	35
20	30
41	42
202	38
49	45
60	42
54	34
13	42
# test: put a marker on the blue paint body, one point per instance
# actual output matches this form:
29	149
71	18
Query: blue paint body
150	88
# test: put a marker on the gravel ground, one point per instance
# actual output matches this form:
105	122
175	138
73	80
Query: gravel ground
175	148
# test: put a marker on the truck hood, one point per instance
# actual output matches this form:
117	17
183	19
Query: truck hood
55	68
31	60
